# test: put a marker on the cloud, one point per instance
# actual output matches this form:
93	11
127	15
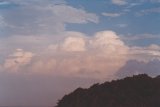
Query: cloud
97	57
148	11
36	64
40	60
73	15
141	37
154	47
122	25
108	41
74	53
145	54
134	67
153	1
18	59
119	2
76	44
2	22
4	3
43	17
111	14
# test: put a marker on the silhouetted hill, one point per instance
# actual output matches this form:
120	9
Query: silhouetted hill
136	91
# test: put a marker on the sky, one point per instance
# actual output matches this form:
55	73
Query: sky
48	48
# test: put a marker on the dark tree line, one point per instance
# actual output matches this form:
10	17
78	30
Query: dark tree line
137	91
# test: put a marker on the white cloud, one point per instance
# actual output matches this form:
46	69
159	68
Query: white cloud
74	53
98	56
45	65
111	14
72	15
105	53
18	59
108	41
74	44
119	2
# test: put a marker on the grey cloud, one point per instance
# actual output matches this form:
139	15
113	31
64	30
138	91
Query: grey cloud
134	67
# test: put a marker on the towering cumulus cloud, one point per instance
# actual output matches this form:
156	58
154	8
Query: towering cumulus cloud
98	56
74	44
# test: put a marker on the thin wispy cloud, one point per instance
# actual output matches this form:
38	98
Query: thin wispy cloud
149	11
119	2
111	14
141	37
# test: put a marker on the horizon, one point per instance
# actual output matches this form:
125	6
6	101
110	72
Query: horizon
48	48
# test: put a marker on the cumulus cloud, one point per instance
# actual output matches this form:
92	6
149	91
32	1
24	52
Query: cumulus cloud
98	56
42	62
74	44
76	54
107	40
43	66
41	58
18	59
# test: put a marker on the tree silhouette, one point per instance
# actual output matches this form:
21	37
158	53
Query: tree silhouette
137	91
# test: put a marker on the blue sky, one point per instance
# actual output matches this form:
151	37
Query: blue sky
135	18
125	17
135	15
50	47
